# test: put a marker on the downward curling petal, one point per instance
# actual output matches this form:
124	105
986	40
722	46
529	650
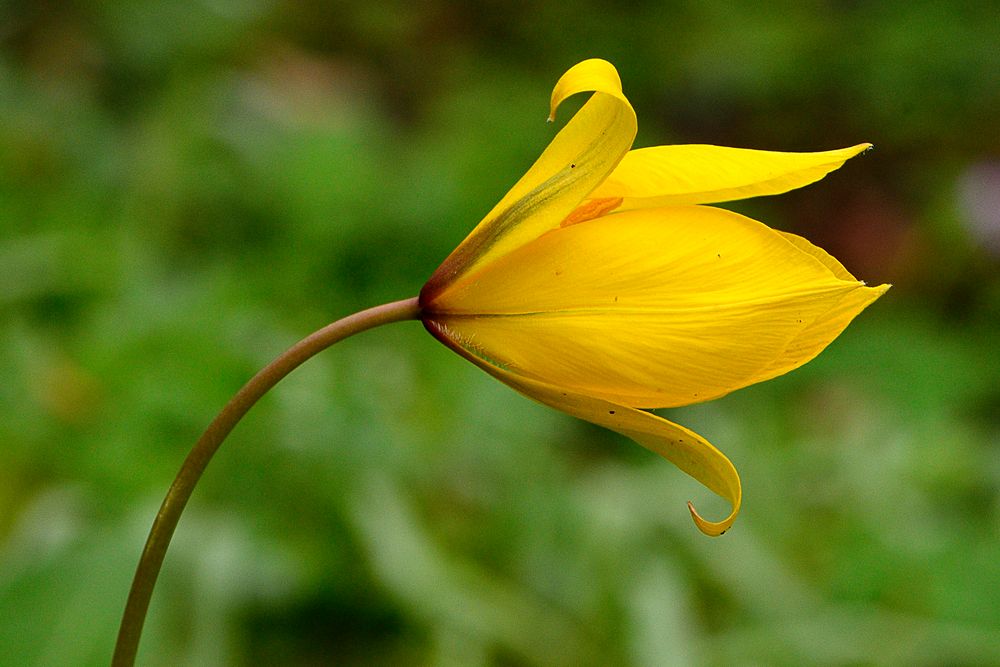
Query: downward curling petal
682	447
584	152
702	174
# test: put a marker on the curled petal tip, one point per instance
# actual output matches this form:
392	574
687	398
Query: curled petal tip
592	75
711	528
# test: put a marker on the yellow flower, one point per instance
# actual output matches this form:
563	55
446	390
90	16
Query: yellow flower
600	287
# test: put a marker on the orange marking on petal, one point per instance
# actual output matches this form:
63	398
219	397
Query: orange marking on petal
590	209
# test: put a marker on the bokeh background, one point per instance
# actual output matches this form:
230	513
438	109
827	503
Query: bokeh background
187	187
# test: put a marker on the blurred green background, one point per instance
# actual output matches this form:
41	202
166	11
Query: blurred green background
188	187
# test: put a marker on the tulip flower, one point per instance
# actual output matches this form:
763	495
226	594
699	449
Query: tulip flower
600	285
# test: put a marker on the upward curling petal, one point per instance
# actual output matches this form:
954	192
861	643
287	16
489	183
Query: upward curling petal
582	155
701	174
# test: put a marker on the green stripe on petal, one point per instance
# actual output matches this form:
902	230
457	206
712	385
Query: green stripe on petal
584	152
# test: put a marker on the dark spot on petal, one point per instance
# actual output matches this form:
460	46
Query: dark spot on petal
611	412
572	166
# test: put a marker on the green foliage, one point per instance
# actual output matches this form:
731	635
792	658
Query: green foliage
186	188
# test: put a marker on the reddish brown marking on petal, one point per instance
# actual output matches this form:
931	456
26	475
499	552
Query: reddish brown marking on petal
590	209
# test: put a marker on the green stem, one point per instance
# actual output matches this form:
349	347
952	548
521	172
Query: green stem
203	450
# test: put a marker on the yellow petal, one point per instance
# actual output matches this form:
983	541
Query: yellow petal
682	447
647	308
828	260
701	174
818	334
578	159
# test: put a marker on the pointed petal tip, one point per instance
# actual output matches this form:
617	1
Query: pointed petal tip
712	528
879	290
858	150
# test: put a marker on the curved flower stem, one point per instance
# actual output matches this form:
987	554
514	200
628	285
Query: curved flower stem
203	450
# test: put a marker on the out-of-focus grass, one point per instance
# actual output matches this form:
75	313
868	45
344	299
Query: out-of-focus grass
188	188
